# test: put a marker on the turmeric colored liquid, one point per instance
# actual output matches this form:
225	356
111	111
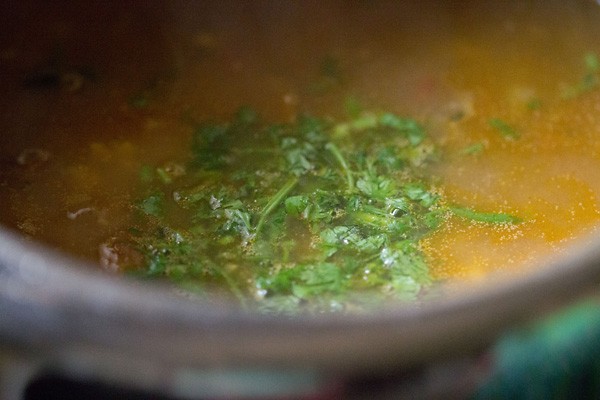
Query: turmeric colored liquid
72	149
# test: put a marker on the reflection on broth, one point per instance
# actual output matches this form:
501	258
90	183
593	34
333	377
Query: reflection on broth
102	107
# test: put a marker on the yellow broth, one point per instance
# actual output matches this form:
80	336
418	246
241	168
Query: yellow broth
92	93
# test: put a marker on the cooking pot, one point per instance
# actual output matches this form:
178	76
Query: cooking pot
61	315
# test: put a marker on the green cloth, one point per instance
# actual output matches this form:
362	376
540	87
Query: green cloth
558	358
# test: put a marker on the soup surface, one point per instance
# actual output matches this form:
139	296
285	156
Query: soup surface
293	153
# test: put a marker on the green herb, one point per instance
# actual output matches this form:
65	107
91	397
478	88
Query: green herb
312	216
475	148
362	122
506	130
592	62
164	175
295	205
408	126
589	82
494	218
152	205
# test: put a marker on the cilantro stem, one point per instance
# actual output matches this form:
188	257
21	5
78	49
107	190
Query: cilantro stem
275	201
505	129
333	149
492	218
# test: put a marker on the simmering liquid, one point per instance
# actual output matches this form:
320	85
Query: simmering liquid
510	94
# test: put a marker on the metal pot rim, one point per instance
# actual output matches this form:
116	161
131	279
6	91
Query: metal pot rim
54	304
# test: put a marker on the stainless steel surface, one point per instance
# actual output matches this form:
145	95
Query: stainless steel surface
71	318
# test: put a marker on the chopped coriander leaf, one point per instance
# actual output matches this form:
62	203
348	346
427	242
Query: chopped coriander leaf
317	279
163	175
494	218
590	80
295	205
404	260
152	205
592	62
301	219
238	221
407	126
588	83
475	148
506	130
418	192
360	123
275	201
299	155
376	187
